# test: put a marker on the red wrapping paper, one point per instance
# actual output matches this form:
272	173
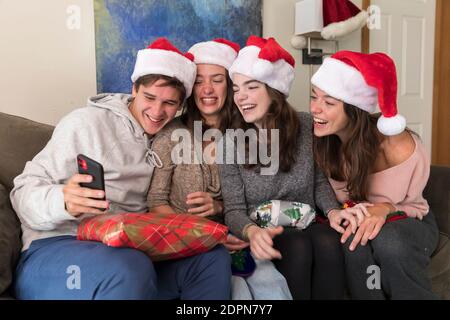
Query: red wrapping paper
160	236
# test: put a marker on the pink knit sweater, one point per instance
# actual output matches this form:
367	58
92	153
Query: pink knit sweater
401	185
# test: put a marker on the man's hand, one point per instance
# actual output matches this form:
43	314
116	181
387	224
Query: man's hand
205	204
261	243
77	199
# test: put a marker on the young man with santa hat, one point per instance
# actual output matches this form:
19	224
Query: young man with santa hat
117	130
372	160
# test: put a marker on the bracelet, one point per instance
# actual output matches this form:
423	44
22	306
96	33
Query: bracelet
397	215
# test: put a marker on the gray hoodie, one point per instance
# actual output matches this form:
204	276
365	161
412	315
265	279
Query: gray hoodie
105	131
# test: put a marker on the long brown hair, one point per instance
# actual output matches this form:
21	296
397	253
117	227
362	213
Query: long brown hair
227	114
281	115
353	160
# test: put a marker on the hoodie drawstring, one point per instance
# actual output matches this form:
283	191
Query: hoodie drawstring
151	156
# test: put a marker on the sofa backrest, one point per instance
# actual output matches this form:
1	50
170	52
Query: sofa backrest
437	193
10	243
20	140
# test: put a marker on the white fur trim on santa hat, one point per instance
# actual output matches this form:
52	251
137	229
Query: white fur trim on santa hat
280	77
391	126
165	62
262	68
340	29
213	52
345	83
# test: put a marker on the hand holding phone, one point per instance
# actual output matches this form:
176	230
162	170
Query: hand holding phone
85	192
93	168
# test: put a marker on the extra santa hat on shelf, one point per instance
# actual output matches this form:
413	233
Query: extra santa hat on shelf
162	57
341	17
363	80
266	61
219	51
332	18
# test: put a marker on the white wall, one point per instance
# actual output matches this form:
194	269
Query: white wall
46	70
278	22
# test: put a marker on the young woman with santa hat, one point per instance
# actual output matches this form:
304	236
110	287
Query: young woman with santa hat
372	159
194	186
311	260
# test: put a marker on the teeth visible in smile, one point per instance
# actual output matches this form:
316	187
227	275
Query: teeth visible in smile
209	100
320	121
153	119
248	106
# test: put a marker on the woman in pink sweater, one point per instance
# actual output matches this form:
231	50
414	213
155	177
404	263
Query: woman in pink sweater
372	161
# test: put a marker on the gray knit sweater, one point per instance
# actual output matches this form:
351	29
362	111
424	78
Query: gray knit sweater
244	189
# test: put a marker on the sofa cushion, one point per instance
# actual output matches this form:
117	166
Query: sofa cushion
10	243
21	139
437	193
439	268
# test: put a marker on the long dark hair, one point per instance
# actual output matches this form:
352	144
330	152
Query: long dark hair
227	114
353	160
281	115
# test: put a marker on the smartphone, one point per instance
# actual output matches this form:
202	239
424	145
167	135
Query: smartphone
91	167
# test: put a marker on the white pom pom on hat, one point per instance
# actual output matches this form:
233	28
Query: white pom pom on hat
391	126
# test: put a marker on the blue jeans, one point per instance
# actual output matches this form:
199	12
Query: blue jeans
266	283
65	268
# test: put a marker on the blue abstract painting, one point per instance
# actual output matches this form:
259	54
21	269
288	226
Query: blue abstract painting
122	27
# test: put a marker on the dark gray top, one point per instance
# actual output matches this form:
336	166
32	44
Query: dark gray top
244	189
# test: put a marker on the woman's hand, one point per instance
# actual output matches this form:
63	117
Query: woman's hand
206	205
261	243
359	211
340	219
337	217
370	227
233	243
79	200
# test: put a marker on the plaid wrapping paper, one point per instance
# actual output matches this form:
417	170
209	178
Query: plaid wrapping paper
160	236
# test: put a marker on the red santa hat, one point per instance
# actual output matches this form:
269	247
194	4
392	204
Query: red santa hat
266	61
332	18
341	17
162	57
218	51
363	80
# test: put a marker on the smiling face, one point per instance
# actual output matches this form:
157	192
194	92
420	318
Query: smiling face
329	115
154	105
210	90
252	98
